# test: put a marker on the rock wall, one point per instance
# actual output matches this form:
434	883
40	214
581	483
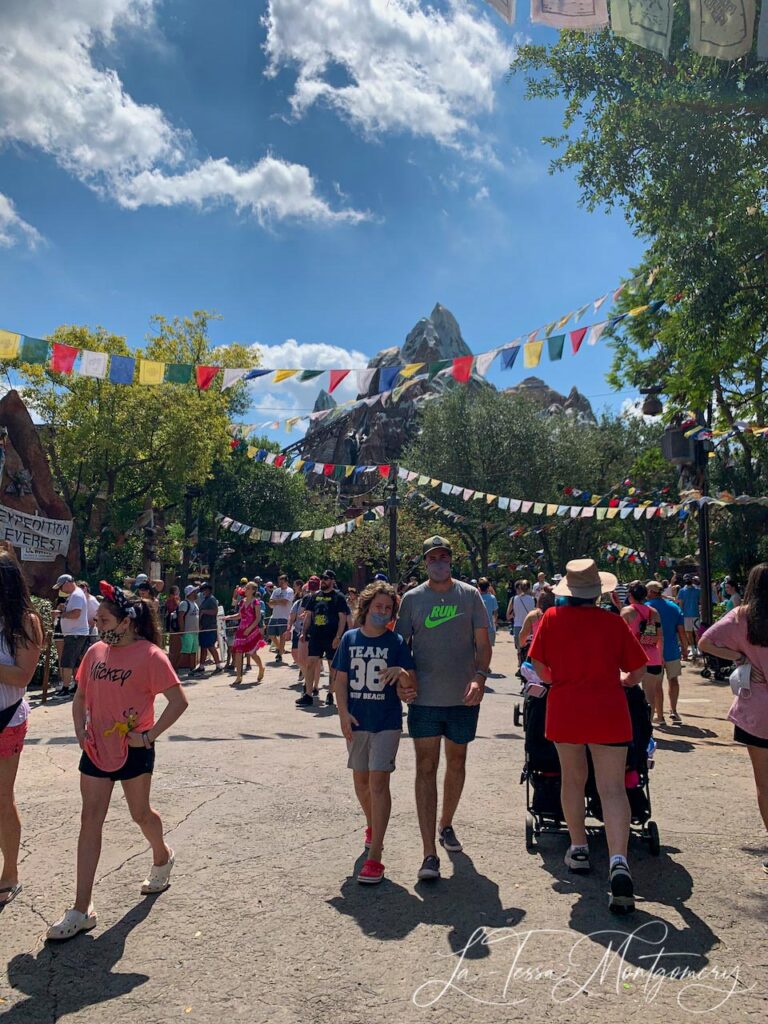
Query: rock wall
26	485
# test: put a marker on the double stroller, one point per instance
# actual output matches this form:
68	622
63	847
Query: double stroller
541	773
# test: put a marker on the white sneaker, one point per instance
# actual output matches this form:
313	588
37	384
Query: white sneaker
577	859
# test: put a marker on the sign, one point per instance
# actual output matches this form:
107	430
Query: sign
39	539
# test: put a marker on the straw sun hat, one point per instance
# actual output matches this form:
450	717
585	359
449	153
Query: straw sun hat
582	579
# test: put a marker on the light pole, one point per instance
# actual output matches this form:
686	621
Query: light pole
392	506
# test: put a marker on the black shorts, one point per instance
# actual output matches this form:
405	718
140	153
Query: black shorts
742	736
320	645
73	650
140	761
653	670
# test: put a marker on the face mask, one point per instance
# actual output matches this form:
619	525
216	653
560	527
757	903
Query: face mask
380	619
110	636
439	572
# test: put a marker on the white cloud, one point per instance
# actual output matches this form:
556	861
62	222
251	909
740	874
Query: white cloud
291	397
13	228
392	65
54	98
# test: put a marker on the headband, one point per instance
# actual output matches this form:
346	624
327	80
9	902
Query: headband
118	598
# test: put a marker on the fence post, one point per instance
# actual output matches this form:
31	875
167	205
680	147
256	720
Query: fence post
47	663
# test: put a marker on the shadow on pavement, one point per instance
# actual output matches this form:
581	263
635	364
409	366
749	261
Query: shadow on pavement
64	979
462	902
637	937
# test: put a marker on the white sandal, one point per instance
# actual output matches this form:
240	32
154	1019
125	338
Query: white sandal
159	877
71	924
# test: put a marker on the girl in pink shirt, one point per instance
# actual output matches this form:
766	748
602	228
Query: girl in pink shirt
113	711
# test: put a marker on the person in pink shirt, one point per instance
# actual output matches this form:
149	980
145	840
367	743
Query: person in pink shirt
117	683
742	635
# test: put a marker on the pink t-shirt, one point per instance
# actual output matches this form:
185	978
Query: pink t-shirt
119	685
749	710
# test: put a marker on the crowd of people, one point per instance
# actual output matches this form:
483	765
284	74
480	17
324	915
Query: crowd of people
428	645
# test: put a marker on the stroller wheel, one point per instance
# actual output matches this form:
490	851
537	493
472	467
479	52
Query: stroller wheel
529	832
705	673
517	716
653	838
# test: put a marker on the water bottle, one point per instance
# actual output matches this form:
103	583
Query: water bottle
651	752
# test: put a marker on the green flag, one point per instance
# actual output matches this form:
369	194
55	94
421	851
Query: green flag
178	373
310	374
438	367
34	350
555	346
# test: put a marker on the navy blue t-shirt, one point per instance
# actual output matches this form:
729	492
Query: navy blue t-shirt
373	703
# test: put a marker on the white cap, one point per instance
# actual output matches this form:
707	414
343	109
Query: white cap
189	590
141	578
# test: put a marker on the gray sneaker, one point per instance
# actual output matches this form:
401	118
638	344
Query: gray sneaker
430	869
449	840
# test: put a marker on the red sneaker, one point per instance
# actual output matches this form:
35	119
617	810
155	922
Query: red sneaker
367	839
371	872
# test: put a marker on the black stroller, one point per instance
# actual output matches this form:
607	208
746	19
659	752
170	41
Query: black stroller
541	773
714	666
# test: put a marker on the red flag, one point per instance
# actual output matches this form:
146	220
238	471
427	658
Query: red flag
63	358
461	368
337	376
279	460
576	339
385	471
205	376
328	469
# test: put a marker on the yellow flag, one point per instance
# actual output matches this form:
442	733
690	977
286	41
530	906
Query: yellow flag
532	354
9	345
251	451
637	309
552	509
410	369
435	483
151	372
305	534
490	498
612	513
563	320
283	375
349	470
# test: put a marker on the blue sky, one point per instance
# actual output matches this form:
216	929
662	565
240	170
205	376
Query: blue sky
319	174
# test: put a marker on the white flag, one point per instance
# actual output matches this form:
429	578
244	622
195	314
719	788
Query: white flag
364	378
484	361
595	332
722	28
506	9
232	377
762	33
93	364
648	23
575	14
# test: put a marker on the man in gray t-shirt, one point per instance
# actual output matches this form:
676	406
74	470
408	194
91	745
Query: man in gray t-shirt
446	624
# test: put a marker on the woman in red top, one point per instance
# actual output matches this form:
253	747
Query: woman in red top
113	712
582	651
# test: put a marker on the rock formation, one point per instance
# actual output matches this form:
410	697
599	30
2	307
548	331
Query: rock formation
26	485
378	433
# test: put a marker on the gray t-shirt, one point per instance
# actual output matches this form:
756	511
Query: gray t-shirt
440	628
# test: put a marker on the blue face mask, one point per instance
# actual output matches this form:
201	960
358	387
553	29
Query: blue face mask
379	619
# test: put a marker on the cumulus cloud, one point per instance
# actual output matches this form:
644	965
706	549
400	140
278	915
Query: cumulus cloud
13	228
391	65
56	99
291	397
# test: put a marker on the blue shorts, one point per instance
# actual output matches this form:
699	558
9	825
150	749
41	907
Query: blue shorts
458	723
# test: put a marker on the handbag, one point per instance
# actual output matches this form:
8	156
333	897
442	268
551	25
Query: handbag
647	630
7	714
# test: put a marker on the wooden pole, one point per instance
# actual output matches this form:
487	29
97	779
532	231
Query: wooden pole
47	663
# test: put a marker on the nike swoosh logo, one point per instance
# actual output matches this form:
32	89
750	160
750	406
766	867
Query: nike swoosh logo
430	623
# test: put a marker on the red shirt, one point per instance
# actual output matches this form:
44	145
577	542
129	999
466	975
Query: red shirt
585	648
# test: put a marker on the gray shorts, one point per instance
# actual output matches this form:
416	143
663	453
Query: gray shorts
690	623
373	751
73	650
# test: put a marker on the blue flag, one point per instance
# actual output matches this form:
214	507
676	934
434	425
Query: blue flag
121	369
508	357
387	377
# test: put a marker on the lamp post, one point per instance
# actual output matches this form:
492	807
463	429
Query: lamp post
392	507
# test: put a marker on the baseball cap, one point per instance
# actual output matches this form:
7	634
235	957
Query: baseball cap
141	578
380	576
653	585
206	586
329	574
189	590
433	543
64	578
557	577
313	582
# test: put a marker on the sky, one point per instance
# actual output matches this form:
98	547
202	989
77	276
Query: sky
318	174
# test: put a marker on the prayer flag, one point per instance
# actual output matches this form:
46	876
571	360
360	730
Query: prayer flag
387	377
93	364
306	375
532	354
181	373
555	346
484	361
205	376
595	332
438	367
573	14
253	374
505	8
63	357
509	355
364	378
151	372
722	30
9	344
121	369
281	375
34	350
648	23
408	371
231	376
336	377
762	33
576	338
461	369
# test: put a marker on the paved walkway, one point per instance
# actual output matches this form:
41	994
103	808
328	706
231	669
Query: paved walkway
263	921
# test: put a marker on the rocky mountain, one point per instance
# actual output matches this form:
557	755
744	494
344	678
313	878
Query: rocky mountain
379	433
